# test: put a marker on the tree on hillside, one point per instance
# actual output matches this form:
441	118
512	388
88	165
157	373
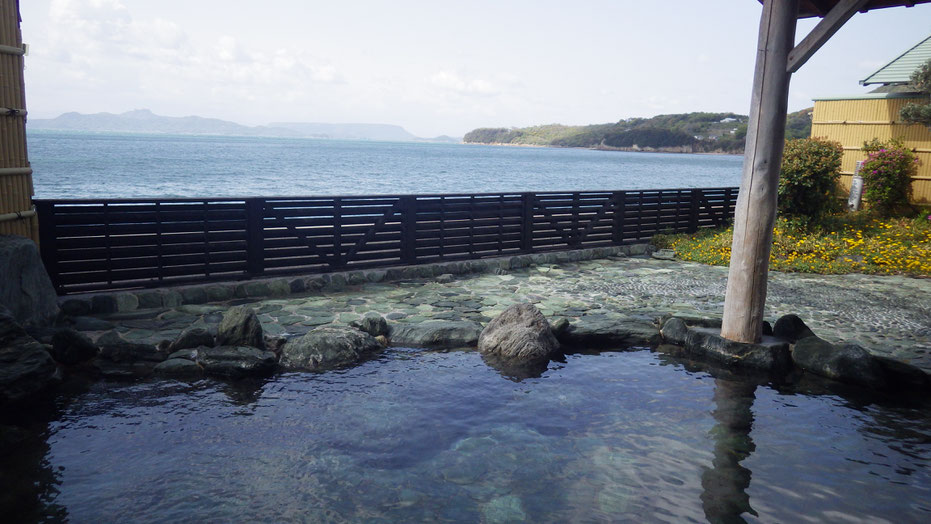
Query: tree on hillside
920	81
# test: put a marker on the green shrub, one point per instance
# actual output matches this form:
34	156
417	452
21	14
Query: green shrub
887	175
920	81
807	184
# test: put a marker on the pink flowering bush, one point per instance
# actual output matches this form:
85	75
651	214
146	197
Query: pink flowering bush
887	175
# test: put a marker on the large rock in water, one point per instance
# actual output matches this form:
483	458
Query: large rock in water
72	347
328	347
236	362
439	334
25	287
849	363
520	334
26	368
240	327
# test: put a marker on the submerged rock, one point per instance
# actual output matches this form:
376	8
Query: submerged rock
603	332
328	347
240	327
520	334
25	288
235	361
71	347
849	363
26	368
440	334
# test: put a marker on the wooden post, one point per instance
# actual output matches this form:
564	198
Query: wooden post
255	236
408	209
756	203
526	224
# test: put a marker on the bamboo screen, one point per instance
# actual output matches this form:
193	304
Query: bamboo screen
16	216
853	122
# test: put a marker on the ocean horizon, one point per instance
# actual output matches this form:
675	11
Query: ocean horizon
70	164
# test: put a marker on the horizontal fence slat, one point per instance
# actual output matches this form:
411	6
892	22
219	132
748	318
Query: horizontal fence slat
94	245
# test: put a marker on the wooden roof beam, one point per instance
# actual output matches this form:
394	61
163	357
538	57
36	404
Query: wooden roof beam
834	20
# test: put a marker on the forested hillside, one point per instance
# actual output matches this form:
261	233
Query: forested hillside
687	132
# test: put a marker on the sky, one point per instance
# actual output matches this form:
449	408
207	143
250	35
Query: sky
434	67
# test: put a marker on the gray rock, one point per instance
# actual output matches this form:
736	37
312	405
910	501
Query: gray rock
664	254
375	275
115	348
178	367
903	377
192	337
770	356
327	347
76	306
372	323
850	363
674	331
71	347
219	293
559	326
441	334
240	327
791	328
236	361
104	304
126	302
445	278
26	368
194	295
186	354
25	288
337	282
171	298
150	299
520	333
605	332
91	324
252	290
297	285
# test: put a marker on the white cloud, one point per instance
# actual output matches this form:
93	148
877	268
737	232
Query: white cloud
452	81
99	44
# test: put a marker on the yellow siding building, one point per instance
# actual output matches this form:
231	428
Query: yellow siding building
853	120
857	119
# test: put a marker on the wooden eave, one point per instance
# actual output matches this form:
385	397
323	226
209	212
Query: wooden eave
820	8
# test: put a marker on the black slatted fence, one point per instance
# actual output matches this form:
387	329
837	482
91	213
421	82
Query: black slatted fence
90	245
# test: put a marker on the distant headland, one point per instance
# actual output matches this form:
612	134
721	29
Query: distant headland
677	133
145	121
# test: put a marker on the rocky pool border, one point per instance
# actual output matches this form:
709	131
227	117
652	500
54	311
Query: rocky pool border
109	302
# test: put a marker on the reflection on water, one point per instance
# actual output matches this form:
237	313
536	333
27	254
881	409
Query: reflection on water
724	497
426	436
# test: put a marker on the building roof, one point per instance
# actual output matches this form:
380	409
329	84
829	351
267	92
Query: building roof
900	70
810	8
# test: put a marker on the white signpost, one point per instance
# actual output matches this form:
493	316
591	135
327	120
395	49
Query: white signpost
856	189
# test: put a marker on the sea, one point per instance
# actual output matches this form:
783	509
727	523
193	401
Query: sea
93	165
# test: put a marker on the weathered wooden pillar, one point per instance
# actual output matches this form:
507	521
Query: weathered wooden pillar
756	203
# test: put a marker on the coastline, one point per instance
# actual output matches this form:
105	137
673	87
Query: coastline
670	150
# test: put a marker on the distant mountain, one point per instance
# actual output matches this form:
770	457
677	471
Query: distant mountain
145	121
384	132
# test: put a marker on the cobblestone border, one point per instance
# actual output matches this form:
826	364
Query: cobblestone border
103	303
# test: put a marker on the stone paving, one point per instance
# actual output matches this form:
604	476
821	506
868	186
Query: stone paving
888	315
